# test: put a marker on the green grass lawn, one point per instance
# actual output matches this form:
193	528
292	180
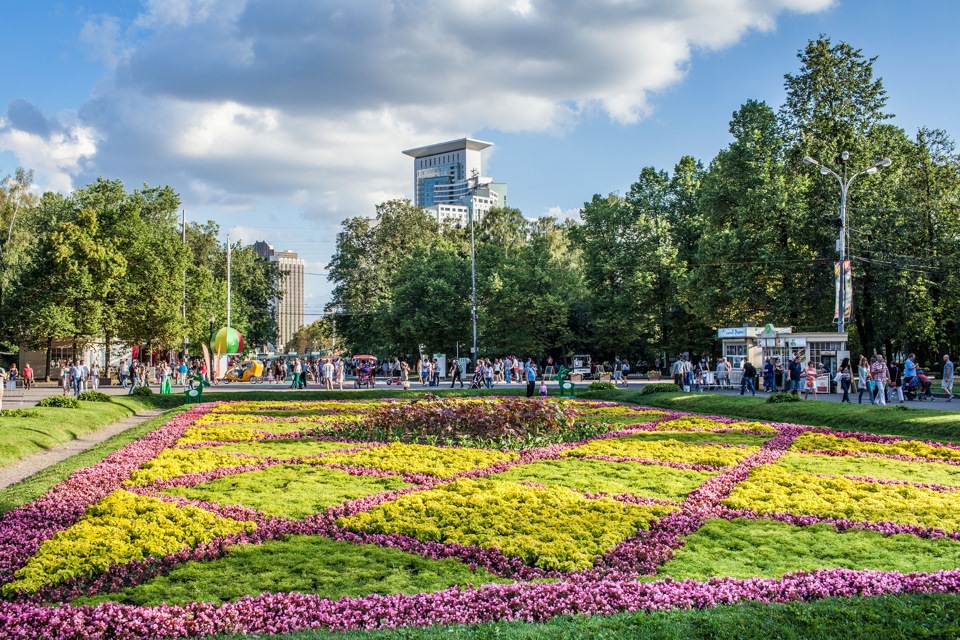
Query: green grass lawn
21	437
913	422
36	485
304	564
768	549
883	617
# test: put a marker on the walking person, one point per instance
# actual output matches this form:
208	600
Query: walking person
455	374
895	380
810	381
95	376
488	373
327	375
768	383
880	375
746	382
947	384
27	376
76	374
863	378
846	375
531	375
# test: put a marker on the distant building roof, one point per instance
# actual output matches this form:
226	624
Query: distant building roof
447	147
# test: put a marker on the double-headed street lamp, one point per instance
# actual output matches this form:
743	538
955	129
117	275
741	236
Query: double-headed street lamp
842	244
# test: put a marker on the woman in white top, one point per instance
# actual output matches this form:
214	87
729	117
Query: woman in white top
94	376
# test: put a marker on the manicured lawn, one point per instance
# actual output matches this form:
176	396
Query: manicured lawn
878	618
302	564
292	491
767	549
21	437
36	485
649	480
912	422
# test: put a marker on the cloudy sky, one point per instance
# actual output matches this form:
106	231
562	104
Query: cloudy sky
279	118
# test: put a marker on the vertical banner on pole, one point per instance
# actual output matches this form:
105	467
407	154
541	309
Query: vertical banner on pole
843	271
836	297
847	290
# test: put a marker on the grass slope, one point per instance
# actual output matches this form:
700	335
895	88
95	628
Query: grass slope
916	423
303	564
764	548
21	437
36	485
920	616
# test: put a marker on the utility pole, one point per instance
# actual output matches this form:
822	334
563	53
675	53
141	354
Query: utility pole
228	282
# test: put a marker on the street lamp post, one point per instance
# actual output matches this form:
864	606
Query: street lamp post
842	244
473	284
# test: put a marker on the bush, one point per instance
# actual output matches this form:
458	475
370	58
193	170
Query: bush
776	398
60	402
660	387
143	392
602	386
93	396
19	413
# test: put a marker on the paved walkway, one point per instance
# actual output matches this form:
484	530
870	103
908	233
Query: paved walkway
23	469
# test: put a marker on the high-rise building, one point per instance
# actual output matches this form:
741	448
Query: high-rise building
448	180
289	307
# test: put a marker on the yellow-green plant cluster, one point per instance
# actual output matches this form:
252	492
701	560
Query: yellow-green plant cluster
553	527
294	405
173	463
117	529
915	448
304	422
668	450
620	411
694	423
220	434
417	458
771	489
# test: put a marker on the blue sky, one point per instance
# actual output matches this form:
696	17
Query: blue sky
278	118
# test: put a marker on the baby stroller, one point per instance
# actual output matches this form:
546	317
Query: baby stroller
918	387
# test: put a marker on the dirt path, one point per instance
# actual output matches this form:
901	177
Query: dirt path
23	469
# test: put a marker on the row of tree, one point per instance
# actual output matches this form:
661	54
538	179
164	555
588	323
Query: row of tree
749	238
108	264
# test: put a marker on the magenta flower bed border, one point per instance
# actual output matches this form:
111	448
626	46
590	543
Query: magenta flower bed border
530	602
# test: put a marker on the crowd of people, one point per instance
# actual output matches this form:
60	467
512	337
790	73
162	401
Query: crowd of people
882	382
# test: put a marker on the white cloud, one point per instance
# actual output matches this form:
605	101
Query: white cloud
304	105
562	214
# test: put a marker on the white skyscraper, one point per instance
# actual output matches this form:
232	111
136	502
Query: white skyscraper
448	179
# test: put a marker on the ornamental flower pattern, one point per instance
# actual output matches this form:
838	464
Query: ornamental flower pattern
188	451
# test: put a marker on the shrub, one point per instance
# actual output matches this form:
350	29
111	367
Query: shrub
143	392
60	402
602	386
94	396
776	398
660	387
19	413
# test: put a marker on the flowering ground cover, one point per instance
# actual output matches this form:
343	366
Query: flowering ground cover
280	516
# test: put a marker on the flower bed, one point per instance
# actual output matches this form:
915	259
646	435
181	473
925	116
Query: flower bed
224	500
548	527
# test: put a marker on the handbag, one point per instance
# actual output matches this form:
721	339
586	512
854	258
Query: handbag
837	378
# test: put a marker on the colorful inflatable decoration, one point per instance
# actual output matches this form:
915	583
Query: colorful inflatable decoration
227	341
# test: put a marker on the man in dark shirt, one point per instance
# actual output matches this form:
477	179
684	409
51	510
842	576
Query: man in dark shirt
746	382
